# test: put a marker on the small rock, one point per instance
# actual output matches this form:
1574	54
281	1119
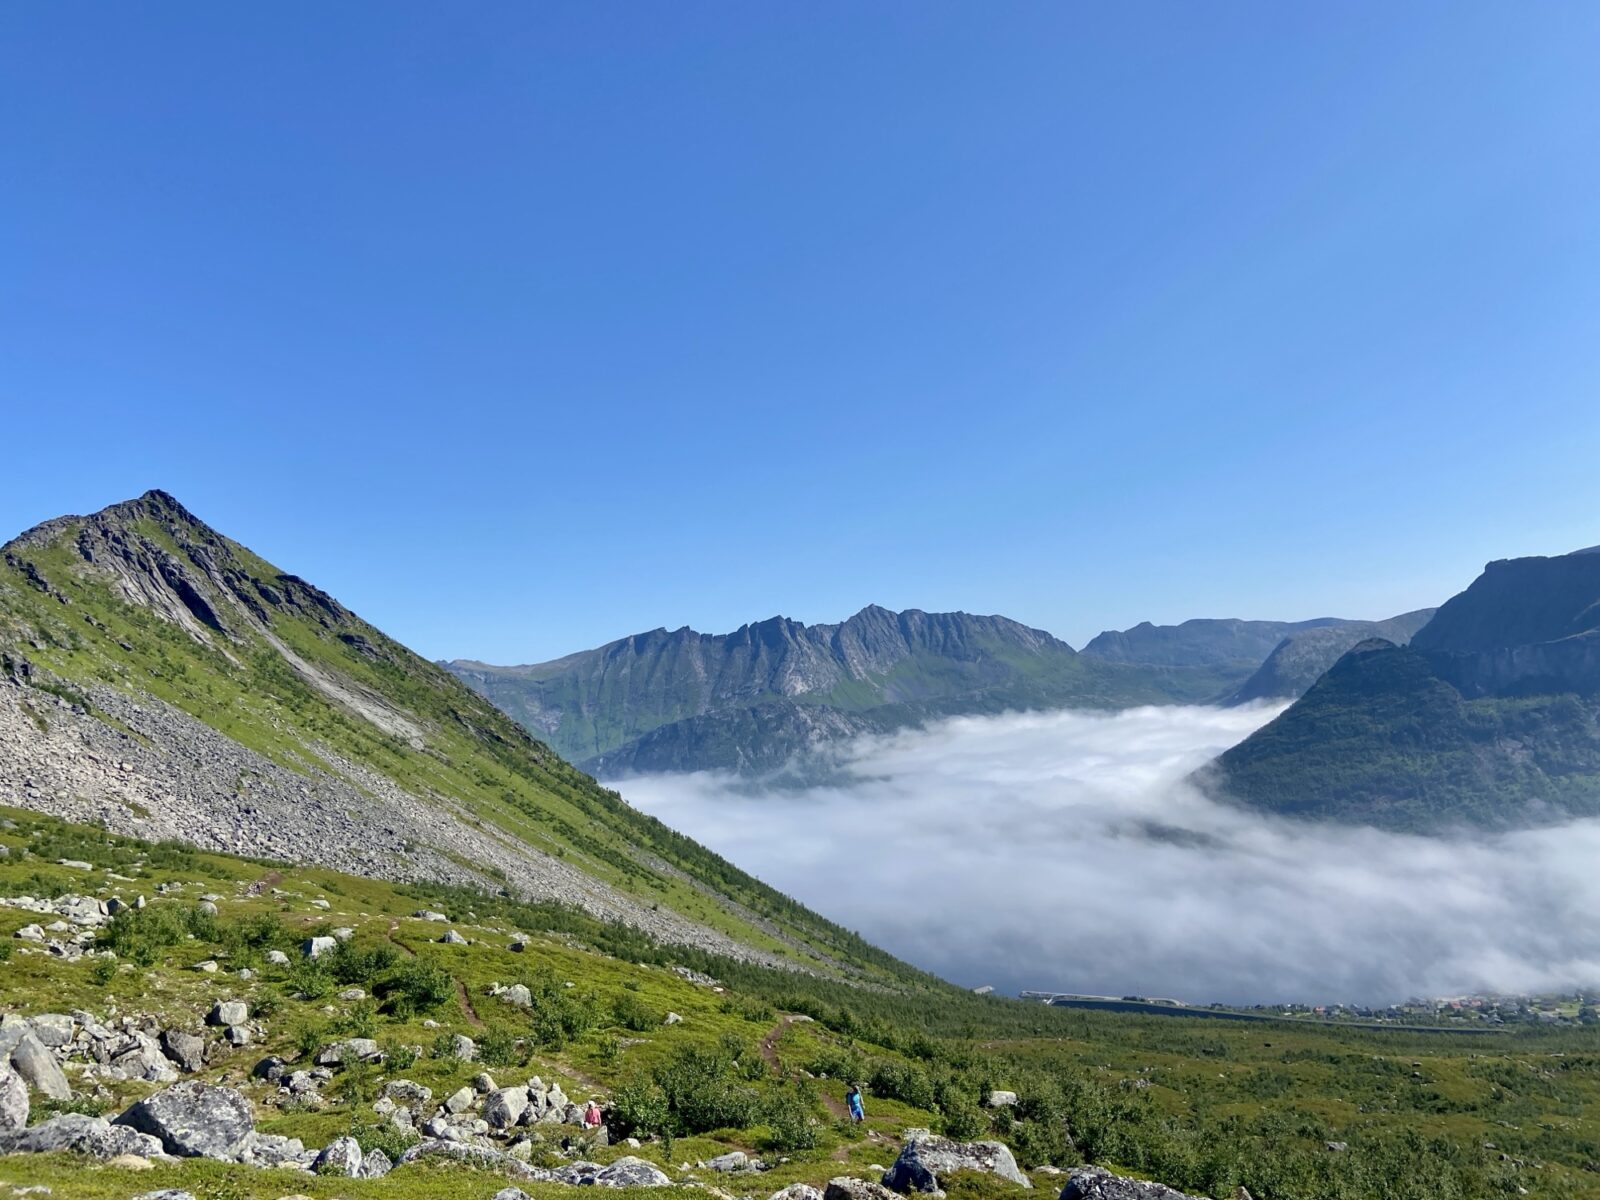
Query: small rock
672	1018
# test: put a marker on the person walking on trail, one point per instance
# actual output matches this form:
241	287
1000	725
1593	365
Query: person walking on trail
852	1099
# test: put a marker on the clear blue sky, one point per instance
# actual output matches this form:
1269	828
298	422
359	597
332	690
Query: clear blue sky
520	326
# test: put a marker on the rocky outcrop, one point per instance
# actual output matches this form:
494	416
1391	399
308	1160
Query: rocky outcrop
195	1120
1302	658
39	1069
79	1134
927	1157
1096	1183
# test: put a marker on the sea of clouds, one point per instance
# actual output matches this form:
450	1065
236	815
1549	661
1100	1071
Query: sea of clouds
1065	851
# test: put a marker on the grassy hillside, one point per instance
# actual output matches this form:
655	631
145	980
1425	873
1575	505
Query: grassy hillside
1206	1106
106	621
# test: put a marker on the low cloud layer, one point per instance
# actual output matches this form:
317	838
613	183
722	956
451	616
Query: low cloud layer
1063	851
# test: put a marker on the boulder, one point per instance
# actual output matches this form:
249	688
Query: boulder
480	1156
316	947
452	938
272	1068
847	1188
275	1150
52	1029
185	1049
140	1056
504	1107
342	1156
407	1092
461	1100
375	1165
80	1134
228	1012
165	1194
194	1120
796	1191
999	1099
1096	1183
733	1160
519	995
463	1047
632	1172
927	1156
428	915
672	1018
39	1069
277	958
13	1099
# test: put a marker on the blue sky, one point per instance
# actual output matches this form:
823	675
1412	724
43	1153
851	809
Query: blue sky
521	327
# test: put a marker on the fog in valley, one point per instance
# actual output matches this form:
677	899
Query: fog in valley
1064	851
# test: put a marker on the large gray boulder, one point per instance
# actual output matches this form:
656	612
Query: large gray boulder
53	1029
195	1120
504	1107
80	1134
927	1156
796	1191
375	1165
631	1172
342	1156
1096	1183
13	1099
39	1069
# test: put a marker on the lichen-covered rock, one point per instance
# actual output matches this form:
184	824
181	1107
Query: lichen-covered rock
13	1099
796	1191
375	1165
184	1049
733	1160
342	1156
1096	1183
195	1120
80	1134
927	1156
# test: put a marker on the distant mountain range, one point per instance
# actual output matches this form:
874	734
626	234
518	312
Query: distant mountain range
1489	718
780	693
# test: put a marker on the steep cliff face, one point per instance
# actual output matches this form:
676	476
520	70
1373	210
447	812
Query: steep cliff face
747	700
1490	717
161	679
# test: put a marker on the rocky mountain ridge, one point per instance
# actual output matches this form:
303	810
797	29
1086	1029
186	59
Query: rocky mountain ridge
162	680
1489	718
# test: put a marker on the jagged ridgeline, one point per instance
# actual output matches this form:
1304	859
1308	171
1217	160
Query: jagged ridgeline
164	681
755	699
1489	718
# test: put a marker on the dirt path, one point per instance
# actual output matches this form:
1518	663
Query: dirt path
769	1052
473	1018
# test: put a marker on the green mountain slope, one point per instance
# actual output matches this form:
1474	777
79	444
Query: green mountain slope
165	681
751	699
1211	656
1490	717
1301	658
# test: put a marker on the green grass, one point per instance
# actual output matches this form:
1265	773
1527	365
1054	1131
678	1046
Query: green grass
1220	1105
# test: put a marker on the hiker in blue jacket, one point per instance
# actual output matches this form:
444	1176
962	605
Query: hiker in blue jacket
852	1098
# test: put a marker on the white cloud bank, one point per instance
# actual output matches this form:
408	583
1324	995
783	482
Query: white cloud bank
1063	851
